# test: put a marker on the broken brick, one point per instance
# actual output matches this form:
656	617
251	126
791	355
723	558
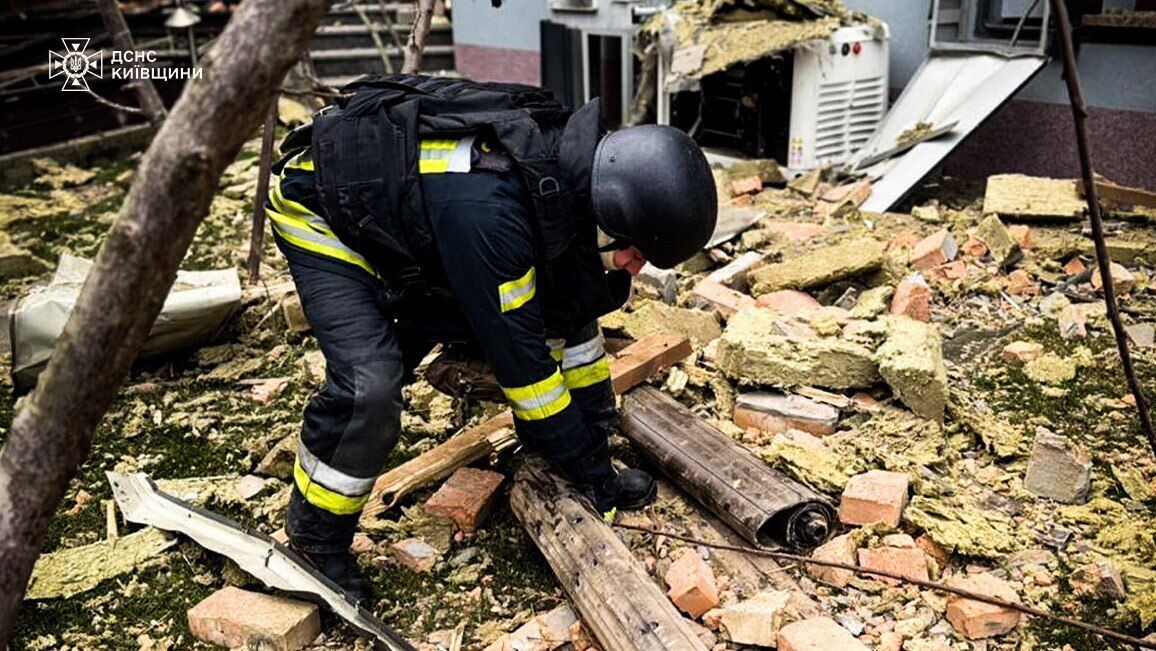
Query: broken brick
904	241
692	584
817	634
954	270
912	298
937	552
466	497
796	232
789	302
876	496
1072	322
908	562
974	247
1098	579
840	549
757	620
1022	352
1058	469
1075	267
416	554
934	250
775	413
976	619
1020	283
721	297
239	618
1022	235
748	185
1123	281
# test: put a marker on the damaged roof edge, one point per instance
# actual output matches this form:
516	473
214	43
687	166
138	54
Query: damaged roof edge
258	554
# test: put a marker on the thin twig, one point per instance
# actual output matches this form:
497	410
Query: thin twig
1103	261
257	237
929	585
111	104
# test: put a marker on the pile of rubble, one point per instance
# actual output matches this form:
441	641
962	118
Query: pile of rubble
944	375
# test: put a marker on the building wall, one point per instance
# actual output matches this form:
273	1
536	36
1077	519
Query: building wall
1031	134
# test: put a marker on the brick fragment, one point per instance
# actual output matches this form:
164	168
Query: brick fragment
1074	267
1073	322
876	496
909	562
789	302
840	549
1123	281
747	185
466	497
1022	234
721	297
545	632
797	232
239	618
362	544
1058	469
817	634
974	247
975	619
1020	283
904	241
937	552
416	554
775	413
1022	352
582	638
934	250
692	584
756	620
912	298
951	271
1098	579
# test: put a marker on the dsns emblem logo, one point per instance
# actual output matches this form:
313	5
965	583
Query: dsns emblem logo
75	64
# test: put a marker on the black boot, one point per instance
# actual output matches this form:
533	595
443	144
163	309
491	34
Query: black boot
607	487
341	568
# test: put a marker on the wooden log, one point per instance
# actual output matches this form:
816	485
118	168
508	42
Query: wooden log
762	504
633	365
623	607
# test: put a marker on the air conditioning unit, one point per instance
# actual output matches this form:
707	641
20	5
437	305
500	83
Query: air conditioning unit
816	104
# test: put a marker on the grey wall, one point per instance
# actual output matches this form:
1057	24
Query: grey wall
513	26
1112	76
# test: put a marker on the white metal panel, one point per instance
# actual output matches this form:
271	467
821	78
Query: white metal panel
948	87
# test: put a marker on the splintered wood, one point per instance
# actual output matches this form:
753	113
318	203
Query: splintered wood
632	366
1031	197
617	600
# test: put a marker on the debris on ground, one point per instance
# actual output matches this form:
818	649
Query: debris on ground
242	619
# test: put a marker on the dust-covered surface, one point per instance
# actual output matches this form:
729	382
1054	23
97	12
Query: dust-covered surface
216	425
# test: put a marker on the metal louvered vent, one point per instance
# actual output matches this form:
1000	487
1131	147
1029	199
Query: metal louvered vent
848	114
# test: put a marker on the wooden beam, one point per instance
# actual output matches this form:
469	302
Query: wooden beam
1121	193
623	607
633	365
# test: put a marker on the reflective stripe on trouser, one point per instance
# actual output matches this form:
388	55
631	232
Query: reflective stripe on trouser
307	230
539	400
437	156
515	293
327	487
585	364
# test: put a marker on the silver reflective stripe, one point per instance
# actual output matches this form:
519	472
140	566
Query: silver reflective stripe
330	478
310	235
583	353
511	296
541	401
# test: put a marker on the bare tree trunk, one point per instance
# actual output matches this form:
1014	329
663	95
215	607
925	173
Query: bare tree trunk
257	236
416	44
150	100
170	195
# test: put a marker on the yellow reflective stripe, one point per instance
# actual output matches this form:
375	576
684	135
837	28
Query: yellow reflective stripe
433	165
287	228
557	348
540	399
588	375
517	292
302	161
323	498
290	207
439	143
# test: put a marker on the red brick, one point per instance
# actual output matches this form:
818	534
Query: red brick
840	549
909	562
954	270
1022	235
236	618
912	298
582	638
1022	352
974	247
876	496
748	185
775	413
740	201
797	232
1074	267
934	250
692	584
855	192
789	302
975	619
721	297
817	634
904	241
416	554
1020	283
466	497
1123	281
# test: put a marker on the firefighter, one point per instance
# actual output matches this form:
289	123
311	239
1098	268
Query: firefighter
505	241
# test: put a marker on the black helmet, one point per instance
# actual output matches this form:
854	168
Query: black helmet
651	187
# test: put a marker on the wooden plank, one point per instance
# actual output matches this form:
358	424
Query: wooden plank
623	607
631	367
1122	194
